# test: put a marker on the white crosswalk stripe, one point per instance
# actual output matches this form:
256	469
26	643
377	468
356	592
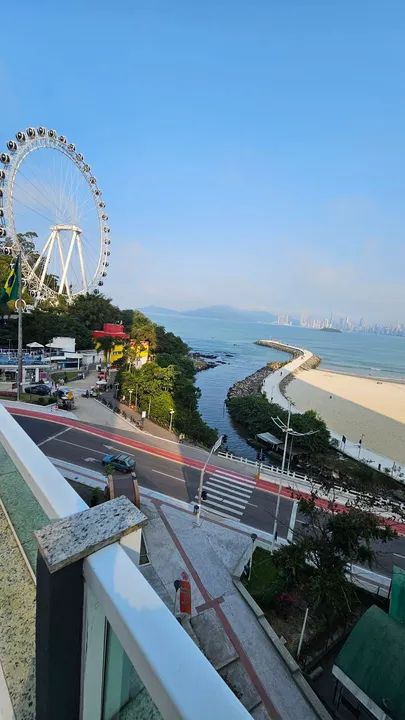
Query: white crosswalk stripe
228	495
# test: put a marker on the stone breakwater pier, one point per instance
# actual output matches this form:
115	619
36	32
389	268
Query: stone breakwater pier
273	377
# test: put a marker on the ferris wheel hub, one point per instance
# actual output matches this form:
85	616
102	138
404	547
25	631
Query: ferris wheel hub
69	228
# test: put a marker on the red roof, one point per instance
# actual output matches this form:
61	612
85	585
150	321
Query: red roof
111	330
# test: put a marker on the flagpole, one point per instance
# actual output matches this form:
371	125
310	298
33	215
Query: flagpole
19	346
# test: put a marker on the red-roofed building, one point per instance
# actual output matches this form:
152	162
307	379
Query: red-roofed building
115	331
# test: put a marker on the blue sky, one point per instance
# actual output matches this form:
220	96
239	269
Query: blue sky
250	153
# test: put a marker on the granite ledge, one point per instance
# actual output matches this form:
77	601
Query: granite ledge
73	538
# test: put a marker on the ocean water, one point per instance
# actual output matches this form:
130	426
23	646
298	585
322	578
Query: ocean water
233	343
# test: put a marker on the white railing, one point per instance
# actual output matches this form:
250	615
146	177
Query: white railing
381	505
264	468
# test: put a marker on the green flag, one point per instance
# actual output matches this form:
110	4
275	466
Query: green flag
10	290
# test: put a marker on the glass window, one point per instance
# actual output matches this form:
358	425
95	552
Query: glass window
125	697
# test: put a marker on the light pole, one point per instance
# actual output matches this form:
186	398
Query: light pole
285	428
136	396
253	538
130	397
171	419
290	453
215	447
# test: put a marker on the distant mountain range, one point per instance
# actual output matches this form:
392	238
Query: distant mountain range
218	312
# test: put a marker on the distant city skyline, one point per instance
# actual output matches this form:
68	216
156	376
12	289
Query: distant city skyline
314	321
248	154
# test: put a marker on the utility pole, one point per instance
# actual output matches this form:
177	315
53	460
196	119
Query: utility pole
285	428
290	454
171	419
19	344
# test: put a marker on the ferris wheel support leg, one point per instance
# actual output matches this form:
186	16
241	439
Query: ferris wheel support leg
40	257
48	258
63	281
62	261
80	251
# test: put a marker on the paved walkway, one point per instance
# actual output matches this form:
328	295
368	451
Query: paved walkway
209	554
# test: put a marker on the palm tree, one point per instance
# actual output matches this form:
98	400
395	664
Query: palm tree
106	344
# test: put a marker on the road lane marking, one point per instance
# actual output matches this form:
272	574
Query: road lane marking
231	478
222	498
210	511
226	492
226	486
220	505
167	475
83	447
398	555
229	474
53	437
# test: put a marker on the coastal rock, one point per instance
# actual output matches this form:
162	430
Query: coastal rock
252	384
205	362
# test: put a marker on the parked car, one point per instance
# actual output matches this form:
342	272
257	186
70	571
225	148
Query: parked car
124	463
39	389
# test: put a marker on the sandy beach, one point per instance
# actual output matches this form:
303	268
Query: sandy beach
353	405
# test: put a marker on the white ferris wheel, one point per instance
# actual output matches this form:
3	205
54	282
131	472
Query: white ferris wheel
53	213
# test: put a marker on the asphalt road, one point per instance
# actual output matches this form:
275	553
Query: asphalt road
231	493
228	494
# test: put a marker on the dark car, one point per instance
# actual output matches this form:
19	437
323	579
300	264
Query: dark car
124	463
40	389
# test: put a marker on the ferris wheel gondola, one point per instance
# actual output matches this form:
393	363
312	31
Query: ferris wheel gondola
48	192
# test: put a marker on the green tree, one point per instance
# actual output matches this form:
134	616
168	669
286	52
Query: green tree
127	319
318	559
254	414
143	330
93	311
106	344
167	342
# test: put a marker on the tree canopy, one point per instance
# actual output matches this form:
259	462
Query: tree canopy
254	413
320	556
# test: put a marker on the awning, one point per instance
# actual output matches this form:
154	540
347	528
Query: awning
34	345
269	438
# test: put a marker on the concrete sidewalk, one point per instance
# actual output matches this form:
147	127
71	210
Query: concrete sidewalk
225	626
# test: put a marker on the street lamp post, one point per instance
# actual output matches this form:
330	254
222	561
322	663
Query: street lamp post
130	397
171	419
136	396
290	454
285	428
214	448
253	538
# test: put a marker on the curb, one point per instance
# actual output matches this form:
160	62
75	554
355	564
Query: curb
286	656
